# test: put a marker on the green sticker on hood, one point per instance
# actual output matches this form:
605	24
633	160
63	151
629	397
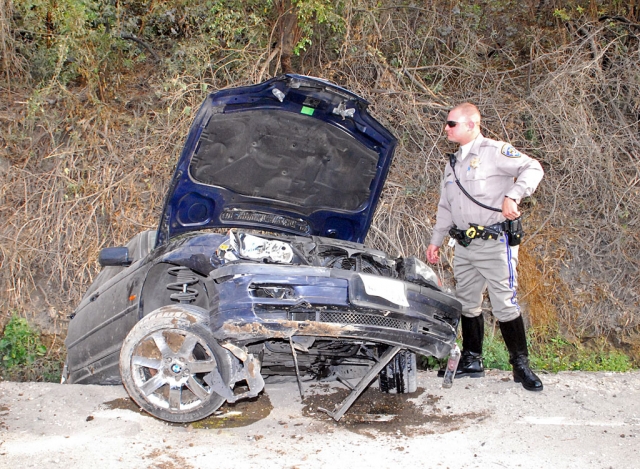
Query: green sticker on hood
307	110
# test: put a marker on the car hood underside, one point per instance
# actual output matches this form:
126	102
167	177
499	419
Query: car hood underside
294	155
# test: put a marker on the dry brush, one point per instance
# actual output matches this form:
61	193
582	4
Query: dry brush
80	173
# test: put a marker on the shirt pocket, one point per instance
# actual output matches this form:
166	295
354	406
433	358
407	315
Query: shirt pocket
478	182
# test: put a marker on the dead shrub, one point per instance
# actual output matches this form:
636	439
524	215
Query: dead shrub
81	174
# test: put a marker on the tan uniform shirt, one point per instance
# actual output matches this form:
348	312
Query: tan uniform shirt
491	171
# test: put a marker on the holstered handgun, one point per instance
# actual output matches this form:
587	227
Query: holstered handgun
514	231
460	236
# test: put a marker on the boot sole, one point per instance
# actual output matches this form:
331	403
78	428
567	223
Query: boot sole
475	374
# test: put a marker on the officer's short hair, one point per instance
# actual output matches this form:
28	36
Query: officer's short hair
470	110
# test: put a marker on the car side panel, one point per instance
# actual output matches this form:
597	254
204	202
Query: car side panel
101	323
104	318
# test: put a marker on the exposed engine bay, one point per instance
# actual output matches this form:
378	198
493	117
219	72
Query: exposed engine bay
318	358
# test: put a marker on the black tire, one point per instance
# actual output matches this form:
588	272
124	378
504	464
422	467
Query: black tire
400	375
164	360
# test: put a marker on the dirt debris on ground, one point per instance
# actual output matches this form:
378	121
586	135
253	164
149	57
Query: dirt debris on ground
395	414
580	420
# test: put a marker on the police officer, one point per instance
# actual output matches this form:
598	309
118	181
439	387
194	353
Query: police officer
497	176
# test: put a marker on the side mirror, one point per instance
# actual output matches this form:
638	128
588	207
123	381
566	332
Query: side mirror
114	257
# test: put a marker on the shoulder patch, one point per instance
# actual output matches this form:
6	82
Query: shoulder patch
508	150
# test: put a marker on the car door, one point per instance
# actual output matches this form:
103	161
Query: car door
104	317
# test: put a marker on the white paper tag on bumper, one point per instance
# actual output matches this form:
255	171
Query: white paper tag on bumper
389	289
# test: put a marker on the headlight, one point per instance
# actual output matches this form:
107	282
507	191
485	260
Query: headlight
255	248
416	271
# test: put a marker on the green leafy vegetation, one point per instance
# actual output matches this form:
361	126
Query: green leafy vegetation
556	354
551	354
495	353
20	344
312	13
23	355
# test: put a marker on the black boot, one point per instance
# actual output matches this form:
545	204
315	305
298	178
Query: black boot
470	363
515	339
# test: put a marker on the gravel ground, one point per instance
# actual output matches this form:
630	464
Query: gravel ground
580	420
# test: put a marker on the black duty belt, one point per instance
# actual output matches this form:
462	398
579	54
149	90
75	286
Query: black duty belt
513	229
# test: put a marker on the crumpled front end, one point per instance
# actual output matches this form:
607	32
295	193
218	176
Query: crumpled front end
261	302
345	315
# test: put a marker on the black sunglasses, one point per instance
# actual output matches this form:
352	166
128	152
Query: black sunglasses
452	124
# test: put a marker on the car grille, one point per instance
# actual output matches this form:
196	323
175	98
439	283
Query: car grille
353	318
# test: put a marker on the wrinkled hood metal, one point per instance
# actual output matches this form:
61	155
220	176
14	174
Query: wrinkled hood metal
294	154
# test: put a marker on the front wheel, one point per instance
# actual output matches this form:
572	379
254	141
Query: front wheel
164	361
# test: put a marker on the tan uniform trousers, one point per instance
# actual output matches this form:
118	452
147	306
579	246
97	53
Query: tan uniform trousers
487	264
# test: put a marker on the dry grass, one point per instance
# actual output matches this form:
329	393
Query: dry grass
81	174
574	106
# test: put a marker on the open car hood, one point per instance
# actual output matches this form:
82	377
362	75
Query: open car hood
294	154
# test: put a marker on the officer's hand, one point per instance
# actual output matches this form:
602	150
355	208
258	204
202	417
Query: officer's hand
432	254
510	209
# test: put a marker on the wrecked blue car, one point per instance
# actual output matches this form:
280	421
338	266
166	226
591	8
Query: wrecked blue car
257	268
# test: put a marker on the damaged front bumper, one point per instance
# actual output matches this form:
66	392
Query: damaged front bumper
284	302
271	301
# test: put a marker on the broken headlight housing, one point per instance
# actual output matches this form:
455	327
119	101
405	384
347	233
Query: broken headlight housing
414	270
255	248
